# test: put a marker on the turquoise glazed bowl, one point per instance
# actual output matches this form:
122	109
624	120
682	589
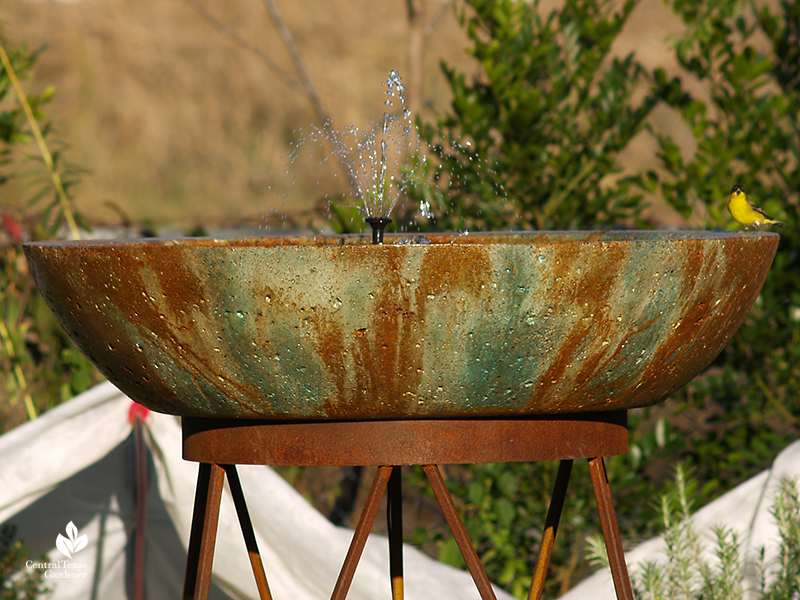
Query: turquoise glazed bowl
434	326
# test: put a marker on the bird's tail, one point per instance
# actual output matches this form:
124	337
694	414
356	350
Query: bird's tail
774	222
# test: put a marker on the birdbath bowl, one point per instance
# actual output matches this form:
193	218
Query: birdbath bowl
440	326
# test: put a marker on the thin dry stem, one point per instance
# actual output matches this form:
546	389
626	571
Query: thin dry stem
235	37
18	374
308	86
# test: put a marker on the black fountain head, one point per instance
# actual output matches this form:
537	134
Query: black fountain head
378	224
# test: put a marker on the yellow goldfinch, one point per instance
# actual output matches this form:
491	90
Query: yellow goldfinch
747	213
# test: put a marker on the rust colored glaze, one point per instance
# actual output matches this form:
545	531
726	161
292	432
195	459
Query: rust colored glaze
385	366
434	326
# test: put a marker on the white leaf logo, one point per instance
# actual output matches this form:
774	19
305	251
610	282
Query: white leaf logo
72	543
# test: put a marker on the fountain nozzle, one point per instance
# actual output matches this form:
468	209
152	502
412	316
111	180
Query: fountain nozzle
378	224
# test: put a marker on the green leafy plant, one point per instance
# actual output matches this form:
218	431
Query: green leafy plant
533	140
16	582
691	570
40	364
786	511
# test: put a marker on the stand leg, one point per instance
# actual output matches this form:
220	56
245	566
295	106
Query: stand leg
247	531
459	532
140	450
550	529
608	521
203	535
394	520
361	534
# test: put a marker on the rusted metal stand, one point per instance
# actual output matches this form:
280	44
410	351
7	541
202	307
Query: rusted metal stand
220	444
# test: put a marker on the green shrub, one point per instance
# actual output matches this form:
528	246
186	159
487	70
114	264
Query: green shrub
688	572
40	364
533	141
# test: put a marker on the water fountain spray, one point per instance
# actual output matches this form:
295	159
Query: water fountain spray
380	198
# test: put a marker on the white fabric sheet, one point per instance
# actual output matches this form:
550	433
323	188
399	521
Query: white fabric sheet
75	464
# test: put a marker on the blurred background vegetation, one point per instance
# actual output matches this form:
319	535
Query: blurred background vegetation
553	115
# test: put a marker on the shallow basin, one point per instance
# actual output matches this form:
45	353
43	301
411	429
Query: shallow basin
440	326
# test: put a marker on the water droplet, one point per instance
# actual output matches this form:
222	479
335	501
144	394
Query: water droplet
425	209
